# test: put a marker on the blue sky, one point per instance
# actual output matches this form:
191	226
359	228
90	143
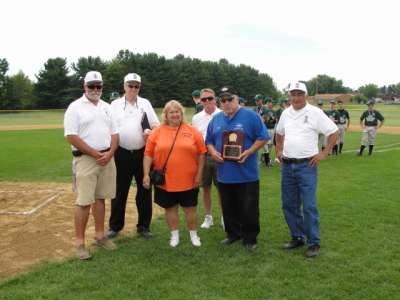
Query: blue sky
356	41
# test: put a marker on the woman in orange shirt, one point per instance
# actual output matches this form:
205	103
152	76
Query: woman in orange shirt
183	170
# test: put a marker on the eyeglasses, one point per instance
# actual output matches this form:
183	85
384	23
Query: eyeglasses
92	87
133	86
210	98
229	99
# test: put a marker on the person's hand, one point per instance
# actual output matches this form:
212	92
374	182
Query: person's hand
317	158
279	155
146	134
146	181
197	180
245	154
216	156
104	158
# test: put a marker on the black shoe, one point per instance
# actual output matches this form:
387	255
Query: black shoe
229	240
312	251
145	233
293	244
112	234
250	247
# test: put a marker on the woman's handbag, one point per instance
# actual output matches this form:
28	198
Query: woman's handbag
157	177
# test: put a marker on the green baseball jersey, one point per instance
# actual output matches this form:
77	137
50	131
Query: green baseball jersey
278	113
343	116
270	120
198	108
261	111
333	114
371	118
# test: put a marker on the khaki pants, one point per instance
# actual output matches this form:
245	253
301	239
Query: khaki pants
92	181
369	135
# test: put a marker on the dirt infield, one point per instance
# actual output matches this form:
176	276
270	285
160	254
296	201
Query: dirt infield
36	221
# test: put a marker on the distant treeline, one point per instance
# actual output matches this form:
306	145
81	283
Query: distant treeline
58	84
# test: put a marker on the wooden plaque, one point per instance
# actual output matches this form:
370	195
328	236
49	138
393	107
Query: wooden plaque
232	144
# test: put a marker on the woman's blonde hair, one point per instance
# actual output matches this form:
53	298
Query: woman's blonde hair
171	105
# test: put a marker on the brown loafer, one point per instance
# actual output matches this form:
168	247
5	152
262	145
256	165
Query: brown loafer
105	243
82	253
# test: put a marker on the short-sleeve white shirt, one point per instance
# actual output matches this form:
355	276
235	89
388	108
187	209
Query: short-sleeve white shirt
201	119
301	128
128	118
92	123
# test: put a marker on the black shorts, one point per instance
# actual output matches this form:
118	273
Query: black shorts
167	199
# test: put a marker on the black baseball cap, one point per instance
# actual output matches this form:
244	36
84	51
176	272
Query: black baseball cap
227	92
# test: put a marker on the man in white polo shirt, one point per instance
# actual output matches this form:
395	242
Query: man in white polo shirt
200	121
92	133
129	112
297	149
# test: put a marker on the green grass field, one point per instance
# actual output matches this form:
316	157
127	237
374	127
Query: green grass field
360	230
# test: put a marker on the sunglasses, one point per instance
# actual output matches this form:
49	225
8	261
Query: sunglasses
210	98
223	100
92	87
133	86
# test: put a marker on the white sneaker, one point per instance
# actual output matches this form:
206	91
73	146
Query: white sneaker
208	222
174	241
195	241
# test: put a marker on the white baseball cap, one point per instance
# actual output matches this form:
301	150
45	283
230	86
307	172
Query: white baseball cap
93	76
297	86
132	77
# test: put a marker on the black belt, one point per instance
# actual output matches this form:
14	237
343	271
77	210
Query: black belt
77	153
131	151
288	160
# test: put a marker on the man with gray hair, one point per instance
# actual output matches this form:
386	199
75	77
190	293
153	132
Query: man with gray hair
93	135
135	117
297	149
233	139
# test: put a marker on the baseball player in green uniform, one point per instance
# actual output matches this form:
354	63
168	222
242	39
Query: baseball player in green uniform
197	101
371	120
333	114
343	124
270	122
261	110
321	137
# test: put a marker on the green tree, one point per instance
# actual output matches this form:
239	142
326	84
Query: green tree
80	68
3	77
324	84
19	91
53	87
369	90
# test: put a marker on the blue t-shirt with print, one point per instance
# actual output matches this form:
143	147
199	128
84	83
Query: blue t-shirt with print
253	128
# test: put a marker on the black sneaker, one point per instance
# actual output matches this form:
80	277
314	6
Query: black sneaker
229	240
145	233
112	234
312	251
293	244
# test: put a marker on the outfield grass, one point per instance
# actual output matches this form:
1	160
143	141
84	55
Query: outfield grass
390	112
360	229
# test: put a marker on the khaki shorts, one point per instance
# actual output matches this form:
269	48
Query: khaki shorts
209	172
92	181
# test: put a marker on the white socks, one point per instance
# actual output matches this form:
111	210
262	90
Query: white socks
174	241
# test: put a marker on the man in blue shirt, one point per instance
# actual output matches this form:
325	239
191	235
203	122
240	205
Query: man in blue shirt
238	180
